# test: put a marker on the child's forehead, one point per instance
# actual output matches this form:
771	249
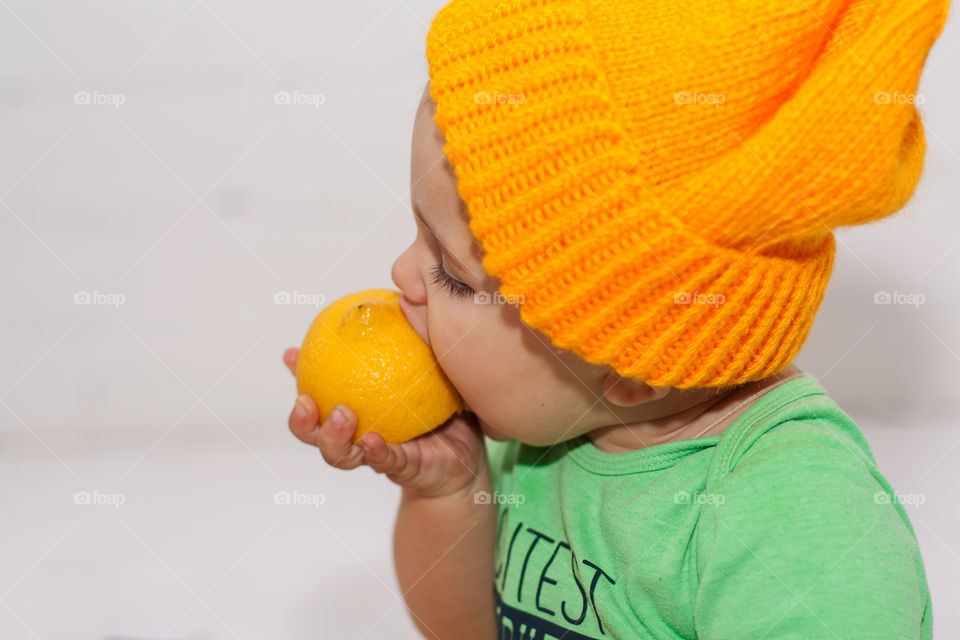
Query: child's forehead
432	173
434	187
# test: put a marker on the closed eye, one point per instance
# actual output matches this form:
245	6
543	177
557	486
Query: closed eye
447	282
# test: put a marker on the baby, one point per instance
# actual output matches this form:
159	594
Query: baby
624	215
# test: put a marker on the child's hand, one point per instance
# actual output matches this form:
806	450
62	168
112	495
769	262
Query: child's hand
450	459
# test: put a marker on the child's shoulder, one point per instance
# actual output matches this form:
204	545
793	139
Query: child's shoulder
797	496
802	459
797	420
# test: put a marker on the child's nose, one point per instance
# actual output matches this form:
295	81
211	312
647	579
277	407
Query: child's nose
405	275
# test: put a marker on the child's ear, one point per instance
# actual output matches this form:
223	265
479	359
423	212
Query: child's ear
629	392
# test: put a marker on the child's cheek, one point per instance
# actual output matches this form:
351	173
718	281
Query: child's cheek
453	343
490	432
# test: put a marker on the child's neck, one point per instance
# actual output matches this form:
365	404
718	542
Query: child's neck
700	420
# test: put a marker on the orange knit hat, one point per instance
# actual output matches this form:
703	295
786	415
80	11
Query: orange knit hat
658	180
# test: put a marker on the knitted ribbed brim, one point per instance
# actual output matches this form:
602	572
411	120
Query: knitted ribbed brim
657	180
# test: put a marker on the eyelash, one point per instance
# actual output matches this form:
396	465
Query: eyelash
454	287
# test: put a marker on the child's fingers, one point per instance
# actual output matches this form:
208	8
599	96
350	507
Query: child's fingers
290	359
333	440
303	420
383	458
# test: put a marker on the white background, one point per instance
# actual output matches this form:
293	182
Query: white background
197	200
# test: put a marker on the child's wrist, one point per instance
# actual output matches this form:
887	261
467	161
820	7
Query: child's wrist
472	492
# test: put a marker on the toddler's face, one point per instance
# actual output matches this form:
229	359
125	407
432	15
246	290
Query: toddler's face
519	385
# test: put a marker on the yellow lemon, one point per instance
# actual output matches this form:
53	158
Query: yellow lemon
361	352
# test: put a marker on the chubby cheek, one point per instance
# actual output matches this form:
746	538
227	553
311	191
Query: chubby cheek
501	376
467	347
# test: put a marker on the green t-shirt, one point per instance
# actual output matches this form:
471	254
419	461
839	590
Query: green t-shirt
781	527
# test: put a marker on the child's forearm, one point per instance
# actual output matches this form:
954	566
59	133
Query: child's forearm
443	552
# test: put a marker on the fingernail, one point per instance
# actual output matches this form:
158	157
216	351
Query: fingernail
338	418
300	411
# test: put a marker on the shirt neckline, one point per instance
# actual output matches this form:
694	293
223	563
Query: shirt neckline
660	456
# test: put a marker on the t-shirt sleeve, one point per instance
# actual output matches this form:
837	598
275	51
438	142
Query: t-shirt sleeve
801	541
